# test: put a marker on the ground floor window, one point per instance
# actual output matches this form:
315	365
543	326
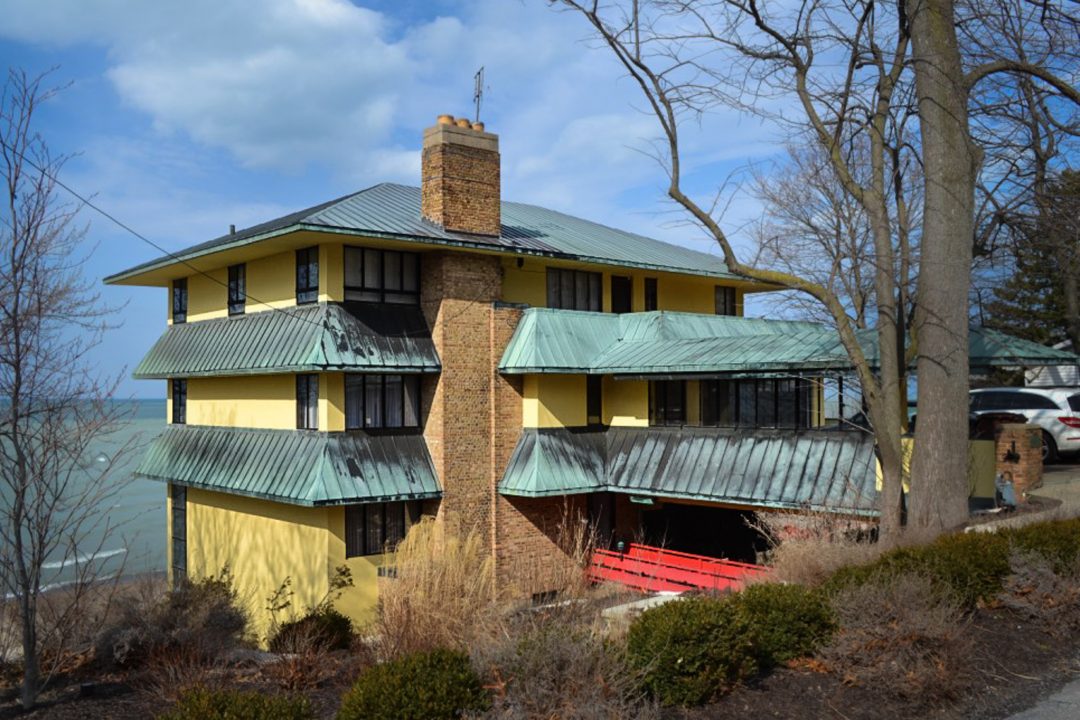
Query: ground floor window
371	528
667	402
780	403
179	532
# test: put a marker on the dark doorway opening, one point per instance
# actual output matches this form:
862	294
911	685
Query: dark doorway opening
622	295
702	530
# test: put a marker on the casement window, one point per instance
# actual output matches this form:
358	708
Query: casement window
237	289
667	402
382	276
179	401
764	403
374	528
307	275
725	300
179	300
574	289
594	400
179	532
651	302
307	402
382	401
622	294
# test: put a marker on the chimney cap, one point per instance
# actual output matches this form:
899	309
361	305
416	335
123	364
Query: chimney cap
463	123
445	120
478	126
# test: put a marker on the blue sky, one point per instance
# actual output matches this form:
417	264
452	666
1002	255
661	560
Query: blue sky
186	117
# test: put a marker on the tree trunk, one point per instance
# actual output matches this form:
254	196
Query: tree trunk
31	669
939	486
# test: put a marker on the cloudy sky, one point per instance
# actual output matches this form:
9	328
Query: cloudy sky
186	116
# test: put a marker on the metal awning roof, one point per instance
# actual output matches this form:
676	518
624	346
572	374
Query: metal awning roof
351	337
822	470
294	466
391	211
686	344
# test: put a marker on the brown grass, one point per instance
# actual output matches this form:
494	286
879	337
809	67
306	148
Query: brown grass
1033	589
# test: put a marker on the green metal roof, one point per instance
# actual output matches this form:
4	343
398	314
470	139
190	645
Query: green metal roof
307	338
822	470
393	212
673	343
294	466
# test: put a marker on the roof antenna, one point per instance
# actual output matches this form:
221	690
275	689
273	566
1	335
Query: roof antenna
478	91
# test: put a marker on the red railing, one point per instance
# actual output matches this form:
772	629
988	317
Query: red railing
652	569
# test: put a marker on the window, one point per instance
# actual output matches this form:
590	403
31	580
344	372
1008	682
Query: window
179	300
179	402
622	294
179	531
574	289
594	400
237	293
307	402
651	302
382	401
1074	403
307	275
725	300
756	403
667	402
1031	401
372	528
382	276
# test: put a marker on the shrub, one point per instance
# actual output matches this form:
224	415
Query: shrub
690	651
1034	589
789	621
198	619
203	704
323	626
903	636
435	685
1057	541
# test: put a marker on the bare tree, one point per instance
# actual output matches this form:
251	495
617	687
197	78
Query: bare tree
54	409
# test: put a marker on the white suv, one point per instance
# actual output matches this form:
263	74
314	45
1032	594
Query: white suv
1057	412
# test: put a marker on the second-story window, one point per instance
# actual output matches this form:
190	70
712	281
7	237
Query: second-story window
594	400
382	401
307	275
725	300
179	401
622	294
307	402
388	276
237	289
667	402
574	289
651	298
179	300
763	403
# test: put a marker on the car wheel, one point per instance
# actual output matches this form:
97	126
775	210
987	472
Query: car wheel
1049	449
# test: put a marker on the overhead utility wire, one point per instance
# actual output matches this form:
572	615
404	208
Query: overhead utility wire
86	201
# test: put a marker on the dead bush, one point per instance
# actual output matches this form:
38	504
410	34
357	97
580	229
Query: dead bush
902	636
557	662
1034	589
307	660
167	672
440	590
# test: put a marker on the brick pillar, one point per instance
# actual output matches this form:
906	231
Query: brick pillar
1018	450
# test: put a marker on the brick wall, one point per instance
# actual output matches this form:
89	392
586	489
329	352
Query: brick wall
460	178
1027	470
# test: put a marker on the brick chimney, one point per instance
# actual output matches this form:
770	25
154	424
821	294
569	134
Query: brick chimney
460	177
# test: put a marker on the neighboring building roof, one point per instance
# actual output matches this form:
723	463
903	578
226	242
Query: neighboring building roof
306	338
393	212
822	470
294	466
1054	375
674	343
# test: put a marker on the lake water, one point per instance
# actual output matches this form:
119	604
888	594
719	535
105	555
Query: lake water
136	544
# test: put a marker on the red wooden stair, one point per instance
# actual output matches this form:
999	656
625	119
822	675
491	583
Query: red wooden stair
653	569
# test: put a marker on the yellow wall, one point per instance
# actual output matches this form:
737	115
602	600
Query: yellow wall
331	272
626	402
270	282
359	601
684	293
553	401
256	401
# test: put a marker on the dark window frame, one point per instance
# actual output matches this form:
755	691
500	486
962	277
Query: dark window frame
358	542
564	289
624	294
179	539
652	295
307	275
357	419
178	390
179	300
594	400
662	412
237	289
379	292
726	300
797	400
307	412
